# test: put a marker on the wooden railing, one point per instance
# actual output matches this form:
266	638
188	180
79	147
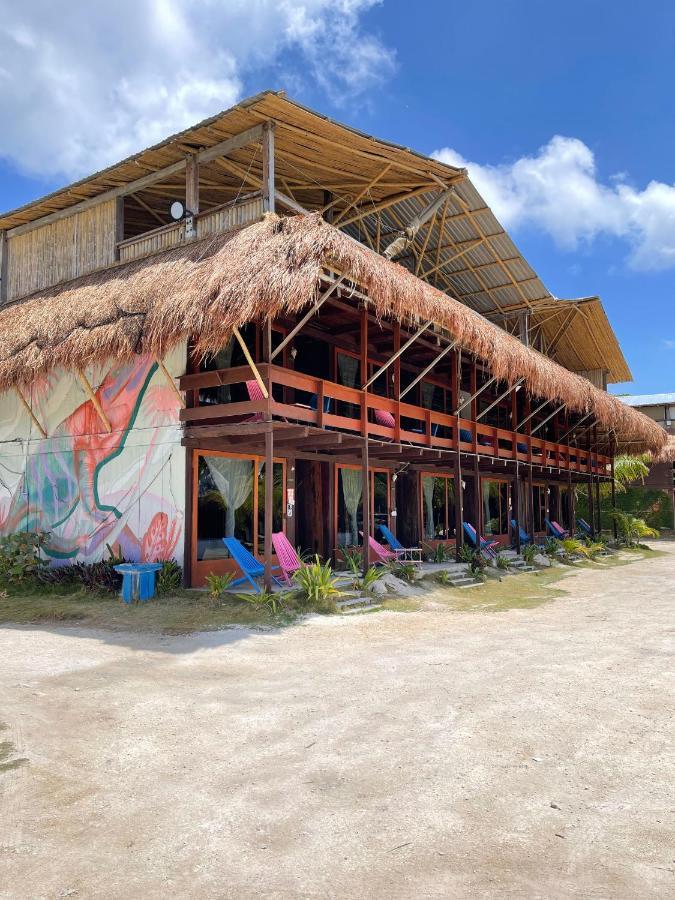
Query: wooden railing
325	404
216	221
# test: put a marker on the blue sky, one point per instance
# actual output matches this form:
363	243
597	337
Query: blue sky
563	113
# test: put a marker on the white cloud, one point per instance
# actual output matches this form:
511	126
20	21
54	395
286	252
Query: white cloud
558	190
85	84
668	344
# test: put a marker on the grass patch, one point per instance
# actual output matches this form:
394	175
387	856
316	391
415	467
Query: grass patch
179	613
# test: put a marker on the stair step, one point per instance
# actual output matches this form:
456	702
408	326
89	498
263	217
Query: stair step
359	609
353	601
464	582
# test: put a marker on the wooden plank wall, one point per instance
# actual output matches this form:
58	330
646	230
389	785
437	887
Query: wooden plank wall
61	250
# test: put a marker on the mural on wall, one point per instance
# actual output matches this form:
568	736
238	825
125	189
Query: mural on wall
90	488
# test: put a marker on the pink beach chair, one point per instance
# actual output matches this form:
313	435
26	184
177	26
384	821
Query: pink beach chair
254	393
384	418
380	552
289	561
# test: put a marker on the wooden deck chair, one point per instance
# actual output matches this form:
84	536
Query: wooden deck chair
555	530
254	393
524	536
289	561
585	527
414	554
249	565
487	548
382	555
384	418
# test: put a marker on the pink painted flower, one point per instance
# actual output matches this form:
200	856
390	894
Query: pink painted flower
160	540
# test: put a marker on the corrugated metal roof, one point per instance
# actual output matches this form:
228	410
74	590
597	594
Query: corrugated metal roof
650	399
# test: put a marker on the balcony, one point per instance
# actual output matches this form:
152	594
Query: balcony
227	217
306	400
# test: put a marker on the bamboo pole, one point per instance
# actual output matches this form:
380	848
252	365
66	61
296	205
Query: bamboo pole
89	391
30	412
249	360
165	372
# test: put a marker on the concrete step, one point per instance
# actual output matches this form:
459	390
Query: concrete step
466	582
353	601
359	609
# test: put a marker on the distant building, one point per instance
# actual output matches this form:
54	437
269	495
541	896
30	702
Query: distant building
661	478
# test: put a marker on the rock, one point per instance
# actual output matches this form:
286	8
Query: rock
554	805
541	560
379	588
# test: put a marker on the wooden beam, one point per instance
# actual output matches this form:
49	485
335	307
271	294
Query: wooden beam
268	167
250	361
308	315
386	203
30	412
89	391
169	379
269	506
365	190
192	183
427	369
396	355
221	149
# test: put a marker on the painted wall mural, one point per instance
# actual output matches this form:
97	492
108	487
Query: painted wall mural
85	486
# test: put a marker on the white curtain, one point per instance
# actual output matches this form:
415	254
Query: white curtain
352	485
234	480
348	366
428	491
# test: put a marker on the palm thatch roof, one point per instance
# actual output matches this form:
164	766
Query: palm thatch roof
204	289
667	453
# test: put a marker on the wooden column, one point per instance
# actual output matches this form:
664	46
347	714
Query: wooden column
473	406
397	388
192	183
459	508
189	501
515	507
119	224
269	504
597	504
614	530
365	499
4	266
530	503
290	486
573	506
478	524
364	367
268	167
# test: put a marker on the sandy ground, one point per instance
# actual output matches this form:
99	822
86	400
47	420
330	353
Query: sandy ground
430	754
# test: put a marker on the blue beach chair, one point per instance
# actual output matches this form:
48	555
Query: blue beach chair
398	548
249	565
524	536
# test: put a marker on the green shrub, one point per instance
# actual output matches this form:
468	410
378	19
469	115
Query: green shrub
316	585
437	554
353	559
274	602
218	585
373	574
632	529
403	570
528	552
20	558
552	547
169	577
501	561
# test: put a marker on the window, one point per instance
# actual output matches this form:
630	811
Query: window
438	507
495	507
228	357
539	506
350	505
231	503
348	374
566	508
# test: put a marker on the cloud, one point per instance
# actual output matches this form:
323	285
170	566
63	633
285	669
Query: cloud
668	344
558	191
85	84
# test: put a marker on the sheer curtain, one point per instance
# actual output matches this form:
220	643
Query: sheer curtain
348	366
428	491
352	486
234	480
427	395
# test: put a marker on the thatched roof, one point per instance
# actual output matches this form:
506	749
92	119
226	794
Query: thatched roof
202	290
667	454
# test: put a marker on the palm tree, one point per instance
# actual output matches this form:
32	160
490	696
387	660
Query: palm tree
627	469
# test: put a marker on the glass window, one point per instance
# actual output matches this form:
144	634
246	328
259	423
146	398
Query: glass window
380	501
566	510
438	495
224	504
539	506
495	507
348	374
350	508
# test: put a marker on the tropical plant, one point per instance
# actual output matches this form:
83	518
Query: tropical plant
501	561
442	577
573	548
20	558
403	570
169	577
552	547
627	469
372	574
218	585
274	602
437	554
353	559
466	554
632	529
315	584
528	552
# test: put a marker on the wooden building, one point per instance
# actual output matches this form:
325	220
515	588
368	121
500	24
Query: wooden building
331	324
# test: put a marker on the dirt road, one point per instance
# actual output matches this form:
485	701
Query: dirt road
393	755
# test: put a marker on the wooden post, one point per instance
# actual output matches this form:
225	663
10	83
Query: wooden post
119	224
597	504
269	504
397	386
515	506
459	508
192	183
189	501
4	266
365	499
268	167
573	505
530	503
327	201
364	369
614	530
478	496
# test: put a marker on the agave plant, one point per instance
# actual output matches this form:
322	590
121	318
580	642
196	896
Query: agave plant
218	585
372	574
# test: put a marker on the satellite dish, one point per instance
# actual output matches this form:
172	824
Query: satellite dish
176	210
